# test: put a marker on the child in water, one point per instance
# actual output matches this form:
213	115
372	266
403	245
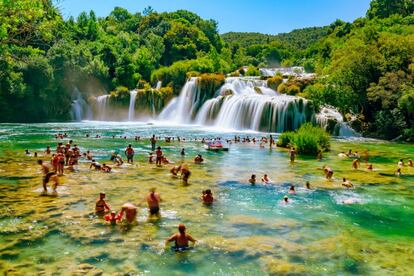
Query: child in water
113	218
292	189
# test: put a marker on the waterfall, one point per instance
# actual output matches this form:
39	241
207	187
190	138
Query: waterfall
158	87
180	109
80	108
331	120
131	110
246	103
101	106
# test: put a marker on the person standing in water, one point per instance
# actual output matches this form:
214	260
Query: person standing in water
181	239
159	155
182	153
153	142
129	152
47	176
355	164
292	154
185	173
307	185
153	199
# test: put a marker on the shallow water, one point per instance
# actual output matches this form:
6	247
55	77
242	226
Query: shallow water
248	230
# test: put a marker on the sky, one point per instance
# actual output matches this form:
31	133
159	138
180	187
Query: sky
263	16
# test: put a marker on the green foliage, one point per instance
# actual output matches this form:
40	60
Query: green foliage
386	8
286	139
252	71
274	82
307	140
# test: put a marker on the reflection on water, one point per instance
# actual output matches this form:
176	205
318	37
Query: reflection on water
247	230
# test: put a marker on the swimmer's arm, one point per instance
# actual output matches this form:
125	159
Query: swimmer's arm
170	239
191	239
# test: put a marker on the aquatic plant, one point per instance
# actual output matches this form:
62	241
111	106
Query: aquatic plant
307	140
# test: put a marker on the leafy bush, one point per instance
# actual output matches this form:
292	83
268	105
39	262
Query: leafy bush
274	82
285	139
307	140
252	71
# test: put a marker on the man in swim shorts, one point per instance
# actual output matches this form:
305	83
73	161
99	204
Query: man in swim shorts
153	199
95	165
181	239
129	152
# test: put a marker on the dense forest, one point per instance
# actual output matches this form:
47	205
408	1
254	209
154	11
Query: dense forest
365	68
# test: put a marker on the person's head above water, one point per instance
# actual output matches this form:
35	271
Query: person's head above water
129	146
253	176
40	162
292	188
285	198
208	192
159	148
181	228
102	195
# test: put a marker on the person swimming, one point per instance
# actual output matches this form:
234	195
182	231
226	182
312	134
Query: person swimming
252	179
292	189
328	172
346	183
266	179
307	185
106	168
370	167
95	165
286	199
181	239
207	197
153	199
342	155
101	207
198	159
47	176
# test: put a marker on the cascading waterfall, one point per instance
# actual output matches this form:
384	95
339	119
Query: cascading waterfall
180	109
80	108
244	104
337	126
101	106
131	110
158	87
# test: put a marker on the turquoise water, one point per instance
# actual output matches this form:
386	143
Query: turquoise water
248	230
